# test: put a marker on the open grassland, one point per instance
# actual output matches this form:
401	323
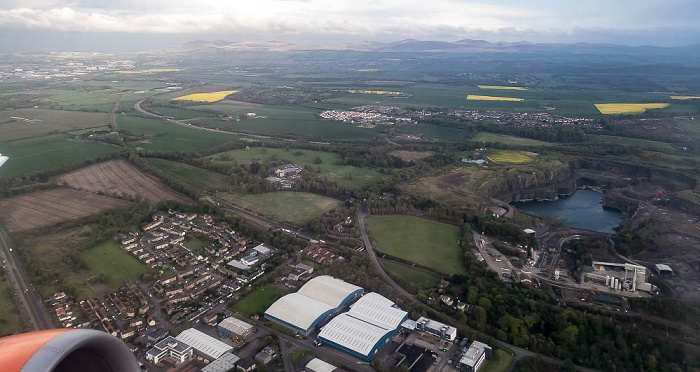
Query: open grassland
287	206
510	140
475	97
223	108
436	131
258	301
198	178
628	141
691	126
500	361
627	108
196	243
166	136
412	155
683	98
379	92
418	240
500	87
49	151
149	71
330	166
118	177
409	274
511	157
24	123
10	322
46	208
117	265
85	99
206	97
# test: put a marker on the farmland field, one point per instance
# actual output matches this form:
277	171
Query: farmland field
148	71
193	176
40	121
379	92
46	208
206	97
627	108
512	157
685	97
409	274
475	97
422	241
500	87
10	322
122	178
109	259
345	175
627	141
510	140
39	153
258	301
412	155
287	206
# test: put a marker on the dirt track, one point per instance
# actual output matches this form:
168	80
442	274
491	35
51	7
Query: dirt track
46	208
122	178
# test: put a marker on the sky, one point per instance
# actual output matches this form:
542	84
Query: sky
130	25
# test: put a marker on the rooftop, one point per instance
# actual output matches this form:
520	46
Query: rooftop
223	364
328	290
352	333
298	310
204	343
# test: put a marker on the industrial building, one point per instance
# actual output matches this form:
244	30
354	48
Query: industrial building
620	277
207	346
436	328
312	304
317	365
232	328
475	356
224	363
169	347
365	329
663	270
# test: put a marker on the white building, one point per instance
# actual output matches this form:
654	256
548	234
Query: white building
224	363
206	345
232	327
436	328
475	356
317	365
169	347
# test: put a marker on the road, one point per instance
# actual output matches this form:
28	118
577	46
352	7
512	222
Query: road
20	286
112	115
488	252
519	352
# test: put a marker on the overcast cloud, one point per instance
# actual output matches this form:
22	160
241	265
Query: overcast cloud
329	22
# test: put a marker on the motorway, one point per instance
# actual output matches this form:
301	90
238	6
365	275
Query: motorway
32	308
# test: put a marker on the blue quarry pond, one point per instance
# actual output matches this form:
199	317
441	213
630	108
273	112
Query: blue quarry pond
582	209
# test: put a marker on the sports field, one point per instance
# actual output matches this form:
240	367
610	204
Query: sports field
258	301
24	123
510	140
198	178
409	274
345	175
287	206
422	241
511	157
110	260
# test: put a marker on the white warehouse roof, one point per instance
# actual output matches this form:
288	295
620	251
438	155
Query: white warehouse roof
378	310
236	326
298	310
328	290
352	333
204	343
317	365
223	364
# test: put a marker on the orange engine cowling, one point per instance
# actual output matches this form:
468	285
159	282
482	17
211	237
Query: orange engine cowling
61	350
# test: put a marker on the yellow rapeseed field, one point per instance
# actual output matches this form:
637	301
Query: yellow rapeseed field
385	92
512	157
206	97
474	97
500	87
627	108
685	97
149	70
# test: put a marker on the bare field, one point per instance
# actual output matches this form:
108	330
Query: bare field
24	123
122	178
49	207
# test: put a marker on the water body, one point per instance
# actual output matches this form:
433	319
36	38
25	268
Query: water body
581	209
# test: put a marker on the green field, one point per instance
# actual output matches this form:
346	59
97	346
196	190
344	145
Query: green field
436	131
510	140
627	141
45	152
198	178
330	166
195	243
10	322
287	206
500	361
109	259
422	241
12	127
409	274
258	301
166	136
691	126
